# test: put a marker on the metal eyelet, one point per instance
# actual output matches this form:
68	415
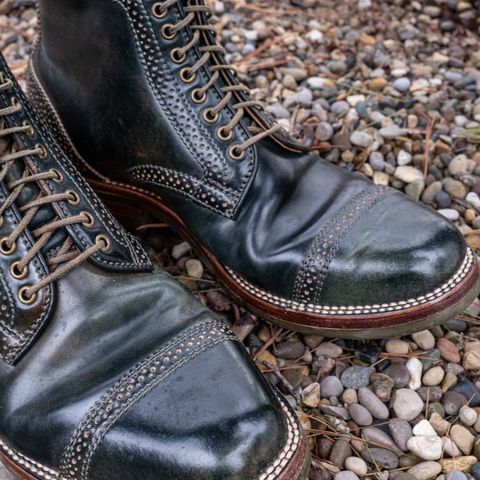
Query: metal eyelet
198	96
177	55
74	198
236	152
58	178
30	132
16	273
167	33
5	249
90	222
43	153
223	135
103	239
158	12
208	117
24	297
187	76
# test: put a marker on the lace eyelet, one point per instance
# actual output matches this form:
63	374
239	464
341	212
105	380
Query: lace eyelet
223	135
187	76
198	96
16	273
177	55
5	249
236	153
167	33
208	117
90	222
158	12
43	153
103	239
1	222
74	198
15	102
24	297
58	176
30	132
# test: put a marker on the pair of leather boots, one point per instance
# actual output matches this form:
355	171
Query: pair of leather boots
111	371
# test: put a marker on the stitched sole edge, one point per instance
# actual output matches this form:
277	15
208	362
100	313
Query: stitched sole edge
368	321
293	463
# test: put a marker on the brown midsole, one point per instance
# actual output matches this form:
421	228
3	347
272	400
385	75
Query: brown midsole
116	194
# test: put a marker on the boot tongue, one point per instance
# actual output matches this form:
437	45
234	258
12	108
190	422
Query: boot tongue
30	192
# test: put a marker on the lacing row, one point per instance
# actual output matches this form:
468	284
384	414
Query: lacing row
187	75
65	258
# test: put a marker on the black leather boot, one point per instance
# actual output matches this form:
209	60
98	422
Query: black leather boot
108	371
137	91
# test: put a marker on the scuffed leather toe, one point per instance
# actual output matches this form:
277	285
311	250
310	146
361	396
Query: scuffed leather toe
217	434
398	250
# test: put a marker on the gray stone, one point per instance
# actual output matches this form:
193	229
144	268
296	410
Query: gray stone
356	465
392	132
399	374
340	451
324	132
378	438
426	447
340	108
372	403
361	139
401	432
402	84
404	158
380	456
356	377
331	387
376	161
290	350
360	415
425	470
468	416
346	475
431	191
329	349
407	404
408	174
452	402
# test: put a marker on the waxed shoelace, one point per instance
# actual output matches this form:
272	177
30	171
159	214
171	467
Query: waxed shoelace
64	259
191	20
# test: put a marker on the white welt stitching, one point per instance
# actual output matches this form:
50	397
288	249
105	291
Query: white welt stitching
359	309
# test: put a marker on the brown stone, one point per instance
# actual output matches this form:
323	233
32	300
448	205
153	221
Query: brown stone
448	350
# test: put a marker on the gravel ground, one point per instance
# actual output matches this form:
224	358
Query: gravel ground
390	89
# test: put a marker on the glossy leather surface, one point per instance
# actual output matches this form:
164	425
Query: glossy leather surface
283	209
215	407
121	370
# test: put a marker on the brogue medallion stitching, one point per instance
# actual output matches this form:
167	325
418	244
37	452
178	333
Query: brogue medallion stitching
132	387
192	187
337	310
311	275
